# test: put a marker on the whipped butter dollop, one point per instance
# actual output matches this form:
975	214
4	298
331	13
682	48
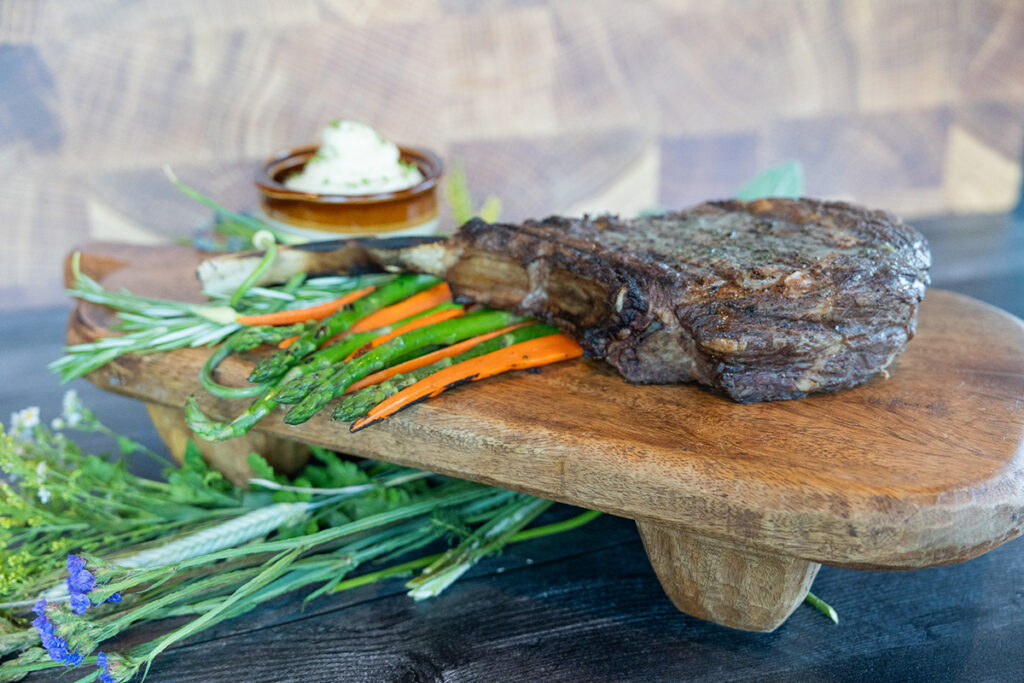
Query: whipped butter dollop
354	159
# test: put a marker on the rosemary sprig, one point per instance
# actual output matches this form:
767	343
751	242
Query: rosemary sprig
150	325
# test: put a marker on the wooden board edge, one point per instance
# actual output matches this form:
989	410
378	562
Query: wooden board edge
896	535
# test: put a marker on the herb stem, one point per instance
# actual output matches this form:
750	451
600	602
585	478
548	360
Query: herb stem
397	570
247	221
822	606
556	527
261	240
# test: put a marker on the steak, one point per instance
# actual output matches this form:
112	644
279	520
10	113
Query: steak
764	300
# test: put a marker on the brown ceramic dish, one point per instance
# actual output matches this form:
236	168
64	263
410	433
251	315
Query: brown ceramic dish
325	216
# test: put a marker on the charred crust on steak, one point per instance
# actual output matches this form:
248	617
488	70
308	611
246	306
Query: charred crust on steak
764	300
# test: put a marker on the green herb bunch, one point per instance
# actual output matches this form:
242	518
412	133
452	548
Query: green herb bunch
57	500
93	550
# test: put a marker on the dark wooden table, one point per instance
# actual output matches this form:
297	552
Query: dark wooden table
586	606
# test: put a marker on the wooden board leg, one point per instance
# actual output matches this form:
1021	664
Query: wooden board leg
227	457
725	583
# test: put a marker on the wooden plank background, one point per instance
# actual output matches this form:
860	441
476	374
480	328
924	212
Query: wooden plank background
557	106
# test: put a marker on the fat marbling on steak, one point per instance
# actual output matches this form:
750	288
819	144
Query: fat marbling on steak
766	300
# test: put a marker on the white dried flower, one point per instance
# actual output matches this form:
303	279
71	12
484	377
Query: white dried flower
72	409
44	495
23	422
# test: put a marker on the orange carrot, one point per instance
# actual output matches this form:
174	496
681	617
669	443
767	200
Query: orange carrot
417	303
338	337
428	358
298	315
528	354
437	317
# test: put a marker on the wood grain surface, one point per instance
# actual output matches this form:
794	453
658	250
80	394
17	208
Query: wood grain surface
556	106
920	469
726	583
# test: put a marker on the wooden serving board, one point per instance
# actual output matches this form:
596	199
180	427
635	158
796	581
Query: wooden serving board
737	504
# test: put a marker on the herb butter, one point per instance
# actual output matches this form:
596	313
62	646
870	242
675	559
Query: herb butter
354	159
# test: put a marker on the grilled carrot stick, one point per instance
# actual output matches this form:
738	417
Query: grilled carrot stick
436	317
299	315
416	303
528	354
357	404
427	359
310	340
395	351
386	329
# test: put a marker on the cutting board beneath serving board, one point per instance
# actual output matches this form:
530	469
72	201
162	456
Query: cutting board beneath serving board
737	504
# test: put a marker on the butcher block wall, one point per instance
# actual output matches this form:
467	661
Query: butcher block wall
912	105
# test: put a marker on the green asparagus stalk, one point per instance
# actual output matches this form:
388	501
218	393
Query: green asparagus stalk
270	394
358	404
447	332
243	340
320	366
250	337
326	357
298	388
335	353
212	386
255	335
398	289
211	430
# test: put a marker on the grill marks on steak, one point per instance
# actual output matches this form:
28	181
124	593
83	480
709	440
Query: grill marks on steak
765	300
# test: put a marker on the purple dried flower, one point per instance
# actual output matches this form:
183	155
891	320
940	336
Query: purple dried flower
58	649
79	603
56	646
43	625
75	564
109	666
101	662
81	581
